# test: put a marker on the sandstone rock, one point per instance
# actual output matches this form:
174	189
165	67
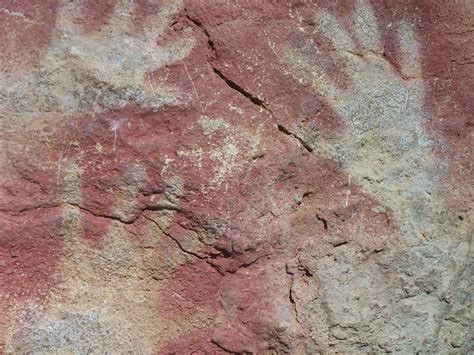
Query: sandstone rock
236	176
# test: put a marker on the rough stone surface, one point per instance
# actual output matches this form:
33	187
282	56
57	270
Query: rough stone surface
217	176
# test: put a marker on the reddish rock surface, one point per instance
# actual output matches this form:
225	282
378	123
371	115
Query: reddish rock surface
207	177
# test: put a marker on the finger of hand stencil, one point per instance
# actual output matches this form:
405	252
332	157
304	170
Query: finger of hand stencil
343	45
333	30
72	227
132	180
156	24
308	72
71	195
366	27
65	21
410	60
71	183
120	19
172	52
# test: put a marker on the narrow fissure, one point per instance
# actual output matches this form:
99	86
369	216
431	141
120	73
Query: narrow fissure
340	244
198	24
98	215
323	220
236	87
290	293
233	85
122	220
175	240
283	129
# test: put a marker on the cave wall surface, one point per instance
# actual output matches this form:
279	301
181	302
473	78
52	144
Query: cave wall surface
236	176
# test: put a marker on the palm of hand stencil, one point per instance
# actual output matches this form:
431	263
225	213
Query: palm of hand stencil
85	72
380	105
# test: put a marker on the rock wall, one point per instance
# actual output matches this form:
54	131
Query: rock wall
217	176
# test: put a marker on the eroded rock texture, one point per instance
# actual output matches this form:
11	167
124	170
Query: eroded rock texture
236	176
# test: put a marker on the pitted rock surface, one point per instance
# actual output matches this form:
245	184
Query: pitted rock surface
252	177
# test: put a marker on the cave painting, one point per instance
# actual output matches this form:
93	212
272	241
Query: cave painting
150	182
380	101
116	60
85	311
102	286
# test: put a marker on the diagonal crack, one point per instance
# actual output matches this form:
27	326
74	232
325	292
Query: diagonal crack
180	246
285	130
233	85
199	25
255	100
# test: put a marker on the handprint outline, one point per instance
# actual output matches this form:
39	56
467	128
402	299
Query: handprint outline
97	71
106	292
381	102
